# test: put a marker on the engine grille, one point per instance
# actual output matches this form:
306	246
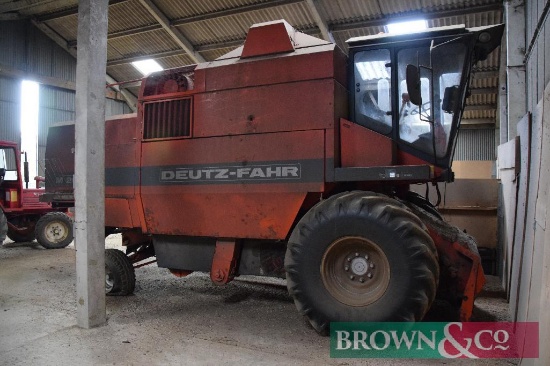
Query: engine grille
166	119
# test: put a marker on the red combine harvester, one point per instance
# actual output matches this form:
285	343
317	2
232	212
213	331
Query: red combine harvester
287	158
22	216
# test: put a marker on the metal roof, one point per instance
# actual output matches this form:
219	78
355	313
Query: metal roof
215	27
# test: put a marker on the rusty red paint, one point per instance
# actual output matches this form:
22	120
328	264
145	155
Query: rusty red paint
224	262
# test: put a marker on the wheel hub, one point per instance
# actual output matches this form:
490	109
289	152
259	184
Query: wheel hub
355	271
359	266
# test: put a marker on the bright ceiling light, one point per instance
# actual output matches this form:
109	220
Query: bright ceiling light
407	27
147	66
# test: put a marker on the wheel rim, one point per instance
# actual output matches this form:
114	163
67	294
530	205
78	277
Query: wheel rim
109	281
56	232
355	271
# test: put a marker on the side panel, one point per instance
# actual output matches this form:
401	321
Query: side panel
361	147
249	186
304	105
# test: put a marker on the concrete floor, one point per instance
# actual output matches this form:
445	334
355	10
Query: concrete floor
169	320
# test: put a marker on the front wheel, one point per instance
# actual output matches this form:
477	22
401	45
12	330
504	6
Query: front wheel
361	257
54	230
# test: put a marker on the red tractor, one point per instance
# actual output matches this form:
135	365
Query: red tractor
286	157
22	216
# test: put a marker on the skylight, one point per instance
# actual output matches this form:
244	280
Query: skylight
147	66
407	27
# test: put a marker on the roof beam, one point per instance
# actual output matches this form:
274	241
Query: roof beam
320	19
207	47
69	11
197	18
174	32
62	42
128	60
474	91
485	74
478	121
45	80
22	4
480	107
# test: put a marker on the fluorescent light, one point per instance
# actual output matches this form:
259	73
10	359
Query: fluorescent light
407	27
147	66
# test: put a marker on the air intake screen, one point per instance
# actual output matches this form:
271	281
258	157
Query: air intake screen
167	119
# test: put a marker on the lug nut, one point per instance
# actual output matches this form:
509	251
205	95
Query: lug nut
361	280
366	256
357	254
346	268
372	265
349	259
369	275
352	277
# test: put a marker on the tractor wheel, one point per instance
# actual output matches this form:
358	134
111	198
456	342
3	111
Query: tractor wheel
3	227
18	237
54	230
360	257
120	278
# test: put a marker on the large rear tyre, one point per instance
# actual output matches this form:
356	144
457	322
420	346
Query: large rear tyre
54	230
120	278
360	257
3	227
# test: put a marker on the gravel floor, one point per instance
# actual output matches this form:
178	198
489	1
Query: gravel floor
169	320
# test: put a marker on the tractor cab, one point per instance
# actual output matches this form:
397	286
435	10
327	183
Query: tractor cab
412	88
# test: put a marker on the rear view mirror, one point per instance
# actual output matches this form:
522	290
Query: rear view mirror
450	98
413	85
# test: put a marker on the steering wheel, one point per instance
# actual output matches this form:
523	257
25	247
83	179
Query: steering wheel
425	107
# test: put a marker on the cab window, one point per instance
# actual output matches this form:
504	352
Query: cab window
373	90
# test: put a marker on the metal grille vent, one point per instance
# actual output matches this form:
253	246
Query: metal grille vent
167	119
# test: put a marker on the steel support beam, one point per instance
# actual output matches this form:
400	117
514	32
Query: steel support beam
90	163
515	66
174	32
320	19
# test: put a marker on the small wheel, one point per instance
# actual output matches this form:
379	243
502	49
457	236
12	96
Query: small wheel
3	227
361	257
120	278
54	230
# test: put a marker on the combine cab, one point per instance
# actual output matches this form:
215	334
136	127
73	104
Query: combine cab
22	216
288	158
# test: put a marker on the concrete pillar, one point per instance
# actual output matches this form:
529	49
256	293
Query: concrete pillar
90	162
515	67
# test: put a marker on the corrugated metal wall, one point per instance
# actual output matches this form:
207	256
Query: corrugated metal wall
527	248
478	144
27	49
10	109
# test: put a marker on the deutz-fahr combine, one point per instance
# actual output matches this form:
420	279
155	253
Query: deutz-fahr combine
286	157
